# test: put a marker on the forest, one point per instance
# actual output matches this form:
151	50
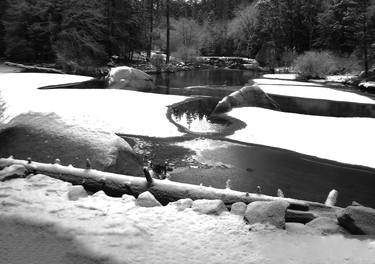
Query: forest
89	32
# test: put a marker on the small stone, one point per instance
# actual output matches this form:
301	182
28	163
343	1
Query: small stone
209	206
238	208
267	212
12	172
326	226
76	192
146	199
183	204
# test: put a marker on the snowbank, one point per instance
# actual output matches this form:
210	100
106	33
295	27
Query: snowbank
39	224
120	111
288	87
348	140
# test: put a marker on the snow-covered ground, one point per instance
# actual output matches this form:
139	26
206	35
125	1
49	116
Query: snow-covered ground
120	111
39	224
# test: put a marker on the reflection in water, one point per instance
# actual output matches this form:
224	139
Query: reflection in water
194	115
204	77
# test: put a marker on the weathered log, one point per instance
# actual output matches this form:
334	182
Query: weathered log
34	68
164	190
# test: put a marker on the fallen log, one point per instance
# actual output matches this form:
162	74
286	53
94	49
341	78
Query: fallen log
164	190
30	68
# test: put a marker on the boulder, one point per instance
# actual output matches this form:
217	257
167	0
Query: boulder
238	208
209	206
13	171
358	220
246	96
46	137
76	192
326	226
146	199
267	213
183	204
127	78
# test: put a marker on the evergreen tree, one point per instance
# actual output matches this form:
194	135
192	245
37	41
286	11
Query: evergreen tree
3	7
27	30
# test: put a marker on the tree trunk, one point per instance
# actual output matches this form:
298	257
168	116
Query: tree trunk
168	33
365	44
151	28
164	190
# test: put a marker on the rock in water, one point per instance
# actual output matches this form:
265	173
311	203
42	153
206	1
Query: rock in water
267	213
209	206
127	78
45	137
246	96
146	199
358	220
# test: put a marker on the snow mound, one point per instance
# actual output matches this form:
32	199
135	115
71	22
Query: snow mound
347	140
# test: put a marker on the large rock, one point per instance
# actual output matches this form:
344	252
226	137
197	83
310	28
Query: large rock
326	226
246	96
46	137
209	206
358	220
127	78
146	199
267	213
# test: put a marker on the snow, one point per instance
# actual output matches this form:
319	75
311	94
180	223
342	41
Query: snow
39	224
288	87
120	111
348	140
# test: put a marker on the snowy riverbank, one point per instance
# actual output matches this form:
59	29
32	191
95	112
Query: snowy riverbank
40	224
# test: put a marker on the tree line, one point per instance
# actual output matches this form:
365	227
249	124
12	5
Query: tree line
88	32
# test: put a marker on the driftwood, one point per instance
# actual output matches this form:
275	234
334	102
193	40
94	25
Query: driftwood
164	190
34	68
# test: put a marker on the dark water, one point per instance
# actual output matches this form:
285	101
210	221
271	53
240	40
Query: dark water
299	176
204	77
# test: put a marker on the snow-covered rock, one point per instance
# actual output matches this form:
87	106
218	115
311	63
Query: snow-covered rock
146	199
209	206
272	213
183	204
246	96
76	192
358	220
326	225
46	137
128	78
238	208
13	171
